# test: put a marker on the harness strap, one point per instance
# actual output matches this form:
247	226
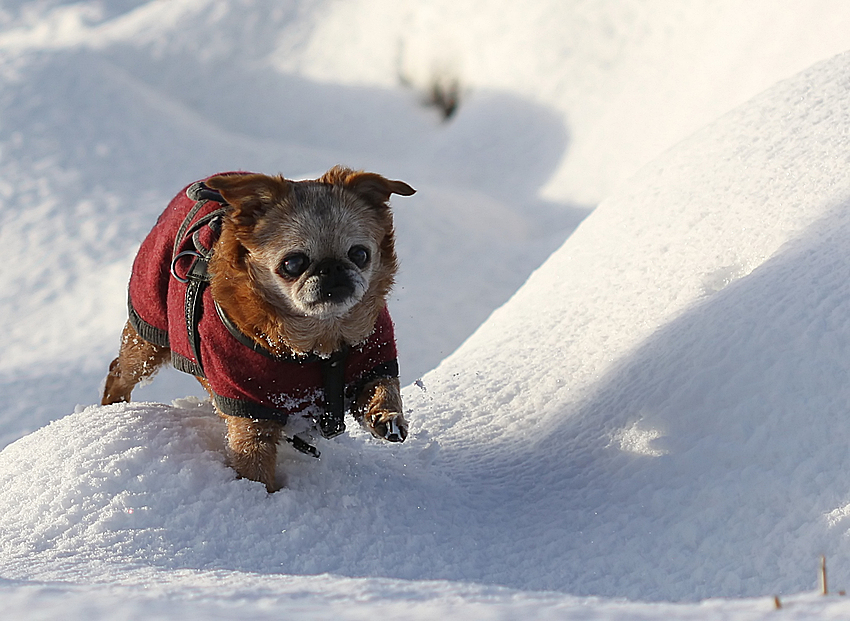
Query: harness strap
199	191
331	422
300	444
197	277
253	345
198	280
181	232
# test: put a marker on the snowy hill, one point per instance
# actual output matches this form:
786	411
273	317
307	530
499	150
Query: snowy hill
658	413
686	352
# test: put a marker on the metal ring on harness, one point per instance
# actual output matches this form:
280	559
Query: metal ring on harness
174	261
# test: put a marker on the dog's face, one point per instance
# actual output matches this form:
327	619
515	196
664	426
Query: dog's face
315	248
321	253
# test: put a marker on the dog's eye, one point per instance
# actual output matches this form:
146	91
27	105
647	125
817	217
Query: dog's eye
294	265
359	256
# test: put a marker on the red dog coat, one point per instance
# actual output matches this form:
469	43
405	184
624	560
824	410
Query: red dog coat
171	306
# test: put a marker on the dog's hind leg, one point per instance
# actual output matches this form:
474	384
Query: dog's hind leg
137	360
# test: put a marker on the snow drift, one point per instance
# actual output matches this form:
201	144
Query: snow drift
659	413
666	397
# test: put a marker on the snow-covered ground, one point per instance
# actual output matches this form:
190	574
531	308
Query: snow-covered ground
658	414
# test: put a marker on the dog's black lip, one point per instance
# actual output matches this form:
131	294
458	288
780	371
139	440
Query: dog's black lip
338	295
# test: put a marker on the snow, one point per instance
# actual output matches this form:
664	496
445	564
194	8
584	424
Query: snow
681	434
649	424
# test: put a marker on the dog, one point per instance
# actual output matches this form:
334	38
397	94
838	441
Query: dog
272	293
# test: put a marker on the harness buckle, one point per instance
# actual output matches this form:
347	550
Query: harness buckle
197	270
330	426
301	445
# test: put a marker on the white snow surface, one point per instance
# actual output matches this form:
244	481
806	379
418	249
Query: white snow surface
654	422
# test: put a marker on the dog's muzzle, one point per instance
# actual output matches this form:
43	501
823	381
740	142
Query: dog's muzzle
335	284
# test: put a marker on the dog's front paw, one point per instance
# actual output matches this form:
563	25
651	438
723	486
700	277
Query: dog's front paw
390	426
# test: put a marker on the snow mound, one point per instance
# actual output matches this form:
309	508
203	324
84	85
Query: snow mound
659	413
664	403
106	478
147	485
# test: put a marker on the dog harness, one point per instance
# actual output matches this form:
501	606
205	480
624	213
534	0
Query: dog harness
171	305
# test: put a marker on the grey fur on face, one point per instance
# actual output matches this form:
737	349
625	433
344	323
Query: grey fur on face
322	263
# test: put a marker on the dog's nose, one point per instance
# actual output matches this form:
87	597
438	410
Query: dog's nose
334	281
330	267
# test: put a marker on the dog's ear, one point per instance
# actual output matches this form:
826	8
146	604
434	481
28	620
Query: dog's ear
250	195
374	188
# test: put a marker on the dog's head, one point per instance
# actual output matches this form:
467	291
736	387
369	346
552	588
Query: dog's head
314	248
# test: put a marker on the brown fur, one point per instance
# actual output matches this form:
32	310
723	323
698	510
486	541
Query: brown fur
378	402
262	209
137	360
238	292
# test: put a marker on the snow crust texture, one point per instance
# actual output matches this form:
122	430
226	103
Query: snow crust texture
686	348
659	412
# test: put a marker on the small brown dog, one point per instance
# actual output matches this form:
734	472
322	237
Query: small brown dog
273	294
